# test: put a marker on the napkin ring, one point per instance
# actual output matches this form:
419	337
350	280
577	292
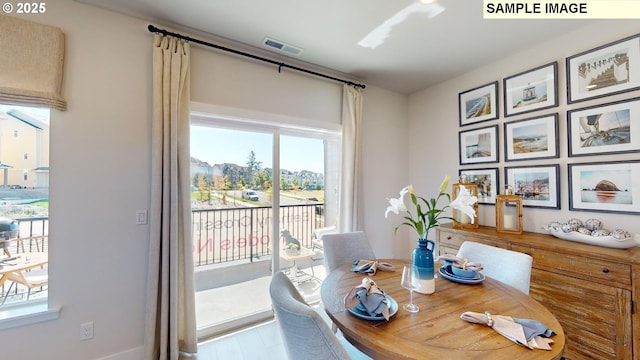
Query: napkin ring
489	319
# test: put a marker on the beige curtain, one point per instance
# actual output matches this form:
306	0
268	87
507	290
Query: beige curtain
350	164
31	63
170	319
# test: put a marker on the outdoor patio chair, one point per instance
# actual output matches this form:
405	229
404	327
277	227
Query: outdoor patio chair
34	278
318	234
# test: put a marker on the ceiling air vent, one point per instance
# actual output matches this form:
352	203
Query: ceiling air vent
281	47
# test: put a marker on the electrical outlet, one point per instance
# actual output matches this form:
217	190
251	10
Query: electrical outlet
141	217
86	331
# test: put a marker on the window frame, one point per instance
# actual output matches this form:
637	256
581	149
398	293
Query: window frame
24	313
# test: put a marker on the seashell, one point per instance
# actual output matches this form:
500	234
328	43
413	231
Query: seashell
584	230
568	228
593	224
554	225
600	232
575	223
621	234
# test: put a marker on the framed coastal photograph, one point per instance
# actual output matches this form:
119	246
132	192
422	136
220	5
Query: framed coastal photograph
478	145
478	104
604	129
532	90
487	181
606	70
538	185
612	187
534	138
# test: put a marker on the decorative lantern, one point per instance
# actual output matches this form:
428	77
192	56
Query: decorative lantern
463	221
509	212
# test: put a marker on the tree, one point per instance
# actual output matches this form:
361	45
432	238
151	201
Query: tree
196	179
294	183
253	166
262	179
218	182
202	186
228	185
284	184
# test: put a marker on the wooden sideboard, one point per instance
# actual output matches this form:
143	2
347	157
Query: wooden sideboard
593	291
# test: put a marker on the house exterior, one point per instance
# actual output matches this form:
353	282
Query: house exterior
100	159
199	167
24	149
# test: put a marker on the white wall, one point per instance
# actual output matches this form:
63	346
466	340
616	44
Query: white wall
384	170
433	124
100	154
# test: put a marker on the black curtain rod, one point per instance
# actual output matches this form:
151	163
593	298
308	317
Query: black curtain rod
280	64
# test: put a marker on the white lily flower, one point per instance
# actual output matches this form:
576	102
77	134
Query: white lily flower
397	205
464	202
426	213
445	183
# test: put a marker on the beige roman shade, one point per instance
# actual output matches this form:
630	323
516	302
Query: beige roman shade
31	63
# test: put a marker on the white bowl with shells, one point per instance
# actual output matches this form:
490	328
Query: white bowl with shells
592	232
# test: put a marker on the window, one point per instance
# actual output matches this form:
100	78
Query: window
24	211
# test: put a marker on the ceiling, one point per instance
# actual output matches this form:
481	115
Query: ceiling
420	52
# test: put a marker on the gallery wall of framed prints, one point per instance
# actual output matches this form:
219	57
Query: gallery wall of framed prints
529	138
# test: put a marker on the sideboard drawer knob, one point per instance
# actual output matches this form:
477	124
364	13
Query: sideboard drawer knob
605	270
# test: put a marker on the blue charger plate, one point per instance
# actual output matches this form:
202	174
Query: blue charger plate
359	311
446	273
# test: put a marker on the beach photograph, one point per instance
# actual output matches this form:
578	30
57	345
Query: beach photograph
479	106
532	138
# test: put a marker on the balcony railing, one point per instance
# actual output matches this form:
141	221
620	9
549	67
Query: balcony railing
224	235
33	236
219	235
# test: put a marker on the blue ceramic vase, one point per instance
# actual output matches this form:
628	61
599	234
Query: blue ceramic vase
422	262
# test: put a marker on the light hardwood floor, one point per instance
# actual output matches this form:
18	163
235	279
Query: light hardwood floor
259	342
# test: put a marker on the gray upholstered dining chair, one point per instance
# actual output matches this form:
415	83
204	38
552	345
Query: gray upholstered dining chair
510	267
344	248
305	334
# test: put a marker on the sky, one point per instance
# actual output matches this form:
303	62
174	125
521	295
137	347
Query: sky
216	146
531	130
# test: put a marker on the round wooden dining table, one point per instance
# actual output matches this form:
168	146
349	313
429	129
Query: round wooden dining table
436	331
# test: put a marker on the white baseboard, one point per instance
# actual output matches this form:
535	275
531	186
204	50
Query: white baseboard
131	354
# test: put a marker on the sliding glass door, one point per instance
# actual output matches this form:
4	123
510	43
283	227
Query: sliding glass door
255	188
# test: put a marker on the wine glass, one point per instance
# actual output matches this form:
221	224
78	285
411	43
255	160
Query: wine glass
410	283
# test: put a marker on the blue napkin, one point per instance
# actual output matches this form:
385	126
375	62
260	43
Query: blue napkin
369	297
370	266
364	266
533	328
526	332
